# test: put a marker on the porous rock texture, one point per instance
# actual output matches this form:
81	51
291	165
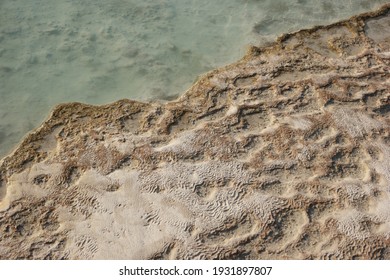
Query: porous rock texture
282	155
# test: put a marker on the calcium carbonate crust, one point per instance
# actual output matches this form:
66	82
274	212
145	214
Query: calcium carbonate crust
282	155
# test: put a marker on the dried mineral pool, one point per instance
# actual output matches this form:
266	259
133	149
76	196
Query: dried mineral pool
99	51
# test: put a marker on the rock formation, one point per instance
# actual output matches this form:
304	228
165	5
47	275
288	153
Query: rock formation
282	155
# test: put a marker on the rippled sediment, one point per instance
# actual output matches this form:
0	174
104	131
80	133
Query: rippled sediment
284	154
101	51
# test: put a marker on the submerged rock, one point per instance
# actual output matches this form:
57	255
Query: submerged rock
282	155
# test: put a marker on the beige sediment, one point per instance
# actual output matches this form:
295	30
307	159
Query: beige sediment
284	154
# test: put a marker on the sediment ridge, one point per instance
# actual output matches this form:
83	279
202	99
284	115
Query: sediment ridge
282	155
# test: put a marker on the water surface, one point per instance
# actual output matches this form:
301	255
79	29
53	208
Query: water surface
99	51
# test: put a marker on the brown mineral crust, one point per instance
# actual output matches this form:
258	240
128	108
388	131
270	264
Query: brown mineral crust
282	155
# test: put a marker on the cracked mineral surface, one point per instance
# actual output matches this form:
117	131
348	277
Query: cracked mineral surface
282	155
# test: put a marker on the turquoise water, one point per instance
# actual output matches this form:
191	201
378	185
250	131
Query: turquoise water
99	51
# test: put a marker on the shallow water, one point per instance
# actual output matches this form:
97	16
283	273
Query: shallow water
99	51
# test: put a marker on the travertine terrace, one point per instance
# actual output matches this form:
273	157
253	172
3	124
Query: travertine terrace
282	155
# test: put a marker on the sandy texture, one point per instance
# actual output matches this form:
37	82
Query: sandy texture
98	52
285	154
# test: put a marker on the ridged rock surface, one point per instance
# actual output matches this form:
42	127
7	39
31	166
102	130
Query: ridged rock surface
282	155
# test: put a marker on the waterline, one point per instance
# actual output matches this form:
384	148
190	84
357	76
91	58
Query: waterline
101	51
